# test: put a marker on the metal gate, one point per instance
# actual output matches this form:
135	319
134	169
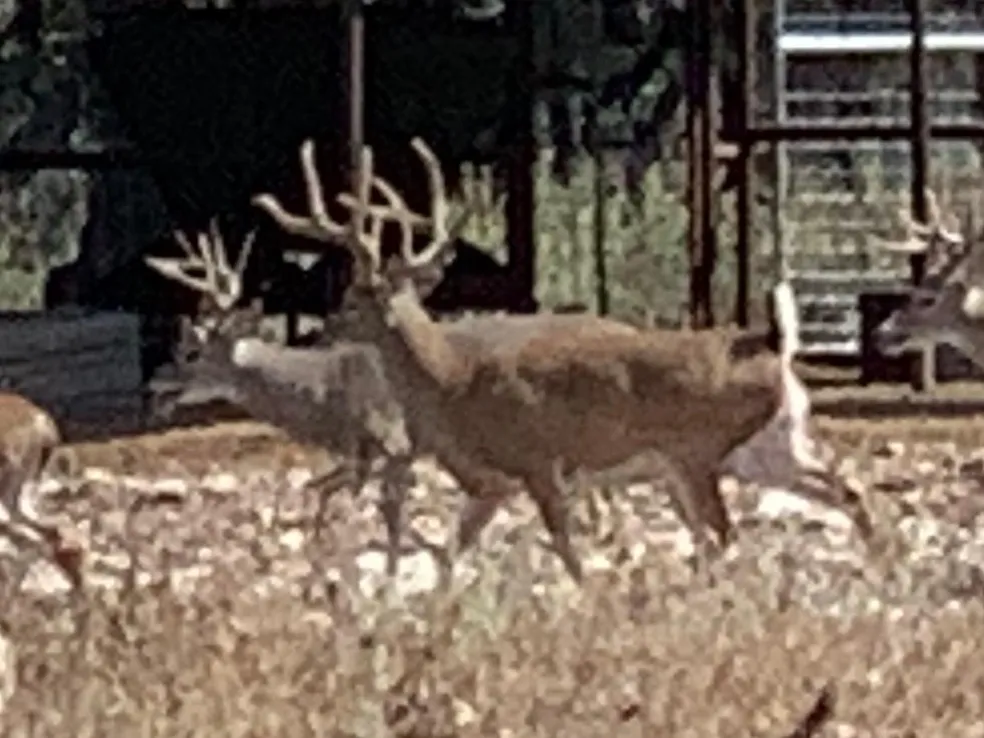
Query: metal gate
835	200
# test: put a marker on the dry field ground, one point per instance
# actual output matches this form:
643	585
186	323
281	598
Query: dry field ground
211	610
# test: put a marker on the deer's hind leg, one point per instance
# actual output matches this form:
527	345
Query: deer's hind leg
551	501
396	478
486	489
348	474
700	505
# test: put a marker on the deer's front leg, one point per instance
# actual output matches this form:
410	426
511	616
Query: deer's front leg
486	489
700	505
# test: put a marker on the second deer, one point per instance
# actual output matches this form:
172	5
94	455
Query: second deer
336	397
947	306
524	402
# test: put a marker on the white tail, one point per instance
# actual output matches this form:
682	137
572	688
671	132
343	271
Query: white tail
523	402
787	320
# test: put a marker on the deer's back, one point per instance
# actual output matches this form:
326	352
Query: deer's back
600	391
503	334
323	395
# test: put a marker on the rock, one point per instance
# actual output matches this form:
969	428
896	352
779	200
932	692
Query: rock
416	573
8	671
222	483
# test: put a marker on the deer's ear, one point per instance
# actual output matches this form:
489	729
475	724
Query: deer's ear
191	338
250	318
186	330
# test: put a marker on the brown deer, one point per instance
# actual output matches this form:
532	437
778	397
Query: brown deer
527	401
334	397
28	438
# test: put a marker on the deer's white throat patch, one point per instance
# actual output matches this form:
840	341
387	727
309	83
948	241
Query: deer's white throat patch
247	351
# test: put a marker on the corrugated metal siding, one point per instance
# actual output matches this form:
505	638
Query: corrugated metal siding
84	368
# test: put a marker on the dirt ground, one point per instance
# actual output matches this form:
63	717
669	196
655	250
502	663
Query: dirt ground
778	643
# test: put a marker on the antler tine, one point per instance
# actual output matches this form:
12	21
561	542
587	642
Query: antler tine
395	208
214	245
227	280
952	239
930	237
245	252
933	210
318	225
215	249
220	281
196	257
185	244
406	218
441	236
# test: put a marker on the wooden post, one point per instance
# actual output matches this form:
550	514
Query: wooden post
700	120
924	372
355	91
747	21
520	203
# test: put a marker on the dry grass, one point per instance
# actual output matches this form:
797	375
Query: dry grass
630	657
644	650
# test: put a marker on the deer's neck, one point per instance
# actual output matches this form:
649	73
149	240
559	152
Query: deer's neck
273	383
969	341
414	346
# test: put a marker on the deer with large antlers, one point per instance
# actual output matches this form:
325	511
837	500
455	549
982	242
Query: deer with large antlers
336	397
514	402
947	306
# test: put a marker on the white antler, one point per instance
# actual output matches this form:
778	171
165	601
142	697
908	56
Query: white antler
928	237
221	281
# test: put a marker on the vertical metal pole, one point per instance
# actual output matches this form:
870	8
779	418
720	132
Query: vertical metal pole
924	374
600	232
520	203
356	88
700	135
602	297
747	21
708	134
780	83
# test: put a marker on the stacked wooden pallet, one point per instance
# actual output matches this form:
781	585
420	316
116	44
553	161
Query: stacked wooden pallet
84	367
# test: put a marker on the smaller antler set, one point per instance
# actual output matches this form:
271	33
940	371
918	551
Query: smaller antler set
942	246
947	306
217	279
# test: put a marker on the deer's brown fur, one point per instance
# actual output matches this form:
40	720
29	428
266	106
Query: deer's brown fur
28	438
513	400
